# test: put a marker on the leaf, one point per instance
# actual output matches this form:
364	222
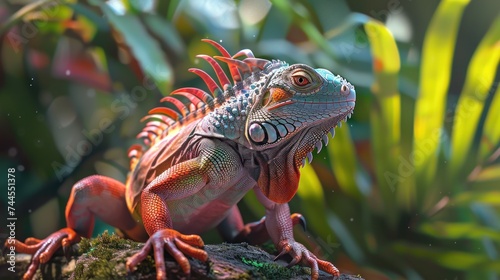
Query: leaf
311	195
480	76
490	139
489	173
302	18
491	197
385	114
18	16
317	213
144	6
385	55
458	260
171	8
435	71
146	50
330	13
274	24
164	31
449	230
486	215
97	20
342	155
346	237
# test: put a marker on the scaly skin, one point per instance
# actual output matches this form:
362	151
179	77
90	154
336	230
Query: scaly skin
202	158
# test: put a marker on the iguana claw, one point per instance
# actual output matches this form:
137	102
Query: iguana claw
42	250
300	253
297	218
176	244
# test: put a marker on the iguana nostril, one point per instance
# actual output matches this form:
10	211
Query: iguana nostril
344	89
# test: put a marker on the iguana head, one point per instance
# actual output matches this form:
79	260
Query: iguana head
291	110
295	109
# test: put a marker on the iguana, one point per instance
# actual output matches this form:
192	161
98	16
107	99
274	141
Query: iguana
203	154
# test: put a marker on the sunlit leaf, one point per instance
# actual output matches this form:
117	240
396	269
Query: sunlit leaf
352	49
385	114
40	16
18	16
318	216
490	138
449	258
83	26
342	154
489	173
311	194
480	76
435	72
491	197
145	49
449	230
385	57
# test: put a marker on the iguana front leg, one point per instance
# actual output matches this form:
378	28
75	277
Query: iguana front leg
177	182
280	228
215	164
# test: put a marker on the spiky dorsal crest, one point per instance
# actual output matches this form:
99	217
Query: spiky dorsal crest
199	102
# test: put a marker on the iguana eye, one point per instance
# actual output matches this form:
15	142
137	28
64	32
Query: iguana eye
301	78
300	81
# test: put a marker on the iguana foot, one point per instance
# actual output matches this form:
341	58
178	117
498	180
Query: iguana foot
300	253
42	250
178	246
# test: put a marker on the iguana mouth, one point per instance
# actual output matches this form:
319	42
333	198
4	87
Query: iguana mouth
280	104
349	102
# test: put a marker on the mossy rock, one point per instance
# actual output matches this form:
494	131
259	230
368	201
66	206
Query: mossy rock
104	257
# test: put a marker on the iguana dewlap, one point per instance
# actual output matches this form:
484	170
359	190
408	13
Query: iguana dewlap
201	157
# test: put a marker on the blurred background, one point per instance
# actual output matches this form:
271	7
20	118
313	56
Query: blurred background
409	188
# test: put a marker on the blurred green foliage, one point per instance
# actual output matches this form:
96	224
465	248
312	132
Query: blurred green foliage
409	188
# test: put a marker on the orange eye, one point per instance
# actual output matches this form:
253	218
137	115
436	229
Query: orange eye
300	80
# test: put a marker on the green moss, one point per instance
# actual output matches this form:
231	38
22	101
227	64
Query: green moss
104	244
147	266
275	271
105	257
